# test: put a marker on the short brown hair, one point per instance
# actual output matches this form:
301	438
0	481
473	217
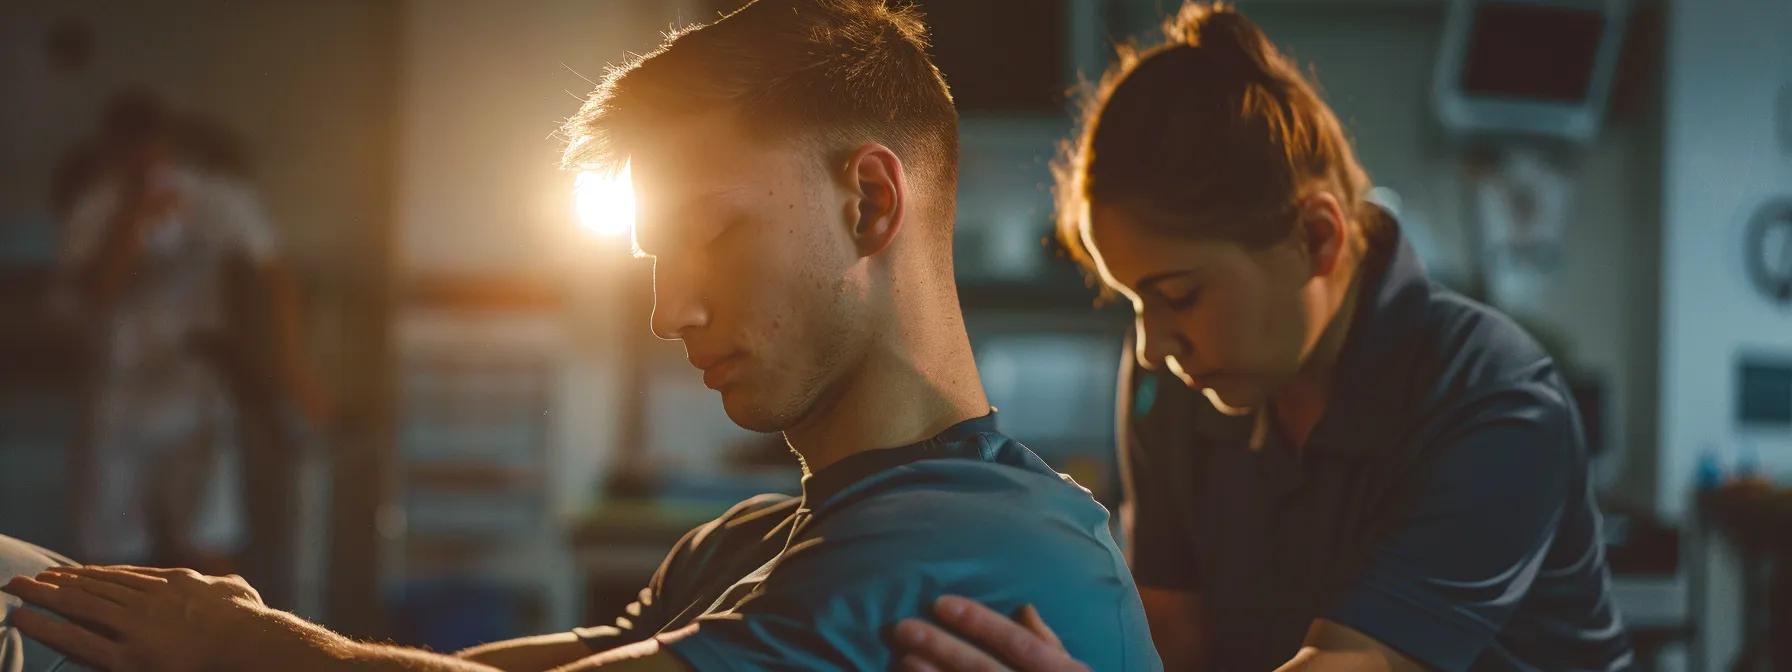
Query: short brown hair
1212	134
833	71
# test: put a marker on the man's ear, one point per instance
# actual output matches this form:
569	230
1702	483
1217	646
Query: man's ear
879	191
1323	233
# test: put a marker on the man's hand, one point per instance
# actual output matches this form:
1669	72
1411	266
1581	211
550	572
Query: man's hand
140	618
997	643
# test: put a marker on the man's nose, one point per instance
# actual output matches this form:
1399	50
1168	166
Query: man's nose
677	302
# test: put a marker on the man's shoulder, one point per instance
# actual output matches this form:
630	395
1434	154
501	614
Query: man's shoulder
1003	507
742	526
1009	478
750	518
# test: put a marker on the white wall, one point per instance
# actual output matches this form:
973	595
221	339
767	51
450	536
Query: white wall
1727	61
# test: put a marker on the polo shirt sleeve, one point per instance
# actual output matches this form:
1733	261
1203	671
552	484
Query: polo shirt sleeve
1153	503
1489	491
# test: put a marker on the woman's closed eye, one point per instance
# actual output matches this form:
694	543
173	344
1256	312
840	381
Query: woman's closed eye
1180	299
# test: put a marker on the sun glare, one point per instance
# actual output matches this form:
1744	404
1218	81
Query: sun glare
605	202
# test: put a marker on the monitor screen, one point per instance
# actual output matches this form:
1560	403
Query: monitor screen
1536	52
1764	394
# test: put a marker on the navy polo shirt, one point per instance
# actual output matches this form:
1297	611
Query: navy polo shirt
1441	506
815	583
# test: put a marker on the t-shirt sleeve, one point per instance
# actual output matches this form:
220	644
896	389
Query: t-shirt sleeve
1152	505
831	599
1473	531
645	615
671	588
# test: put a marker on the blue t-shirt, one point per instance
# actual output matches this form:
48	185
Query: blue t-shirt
816	582
1442	506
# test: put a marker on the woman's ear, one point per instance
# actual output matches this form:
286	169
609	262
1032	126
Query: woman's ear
879	190
1324	233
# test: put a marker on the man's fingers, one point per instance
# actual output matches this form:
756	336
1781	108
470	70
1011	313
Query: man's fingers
129	578
111	592
1010	641
75	604
162	572
72	640
930	644
1030	617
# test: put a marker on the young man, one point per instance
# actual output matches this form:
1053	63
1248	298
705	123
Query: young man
795	168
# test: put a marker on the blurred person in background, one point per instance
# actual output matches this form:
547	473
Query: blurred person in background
1331	463
171	264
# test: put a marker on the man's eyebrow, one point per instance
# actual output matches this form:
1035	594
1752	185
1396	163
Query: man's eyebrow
680	211
706	199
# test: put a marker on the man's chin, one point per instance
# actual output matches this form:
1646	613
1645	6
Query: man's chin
751	415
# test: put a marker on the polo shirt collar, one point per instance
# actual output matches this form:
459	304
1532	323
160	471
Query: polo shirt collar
1368	389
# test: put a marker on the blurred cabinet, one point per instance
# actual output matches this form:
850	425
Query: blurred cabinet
475	550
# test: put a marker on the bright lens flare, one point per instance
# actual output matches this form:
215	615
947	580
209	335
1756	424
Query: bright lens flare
605	202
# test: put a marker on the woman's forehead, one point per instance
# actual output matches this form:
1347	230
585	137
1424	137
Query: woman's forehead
1130	247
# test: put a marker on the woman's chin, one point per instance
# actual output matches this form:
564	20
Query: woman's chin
1229	404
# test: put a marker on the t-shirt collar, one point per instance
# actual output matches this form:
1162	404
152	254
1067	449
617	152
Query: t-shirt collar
955	442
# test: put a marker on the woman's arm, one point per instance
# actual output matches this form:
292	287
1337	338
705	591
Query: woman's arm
1179	628
1334	647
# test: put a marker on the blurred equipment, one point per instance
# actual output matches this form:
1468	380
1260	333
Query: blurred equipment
1647	585
473	550
1043	47
1768	250
1526	82
1764	392
1529	67
1757	517
1521	206
1054	390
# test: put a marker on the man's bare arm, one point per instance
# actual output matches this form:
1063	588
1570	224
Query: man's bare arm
132	618
529	654
328	650
643	656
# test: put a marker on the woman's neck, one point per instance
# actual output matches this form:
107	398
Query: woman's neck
1302	402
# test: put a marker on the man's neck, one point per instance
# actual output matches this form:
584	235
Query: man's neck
916	384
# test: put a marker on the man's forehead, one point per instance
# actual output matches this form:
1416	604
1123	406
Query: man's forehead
693	147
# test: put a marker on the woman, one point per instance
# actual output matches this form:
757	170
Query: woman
1331	463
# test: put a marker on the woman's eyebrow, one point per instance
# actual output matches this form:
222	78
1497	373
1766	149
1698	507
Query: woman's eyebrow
1153	279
